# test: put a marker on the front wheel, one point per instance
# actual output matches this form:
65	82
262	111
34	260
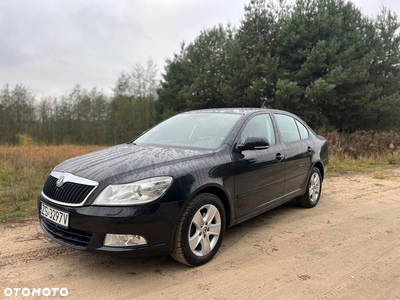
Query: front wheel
313	192
200	230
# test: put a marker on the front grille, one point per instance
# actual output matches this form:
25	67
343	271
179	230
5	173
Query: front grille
69	192
78	239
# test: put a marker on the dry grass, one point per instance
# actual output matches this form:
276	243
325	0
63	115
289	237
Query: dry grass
362	151
23	170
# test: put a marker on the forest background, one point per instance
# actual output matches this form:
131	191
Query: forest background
323	60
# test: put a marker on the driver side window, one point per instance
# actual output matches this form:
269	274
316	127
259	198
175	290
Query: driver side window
260	125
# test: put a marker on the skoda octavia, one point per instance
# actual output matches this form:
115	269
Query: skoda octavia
177	187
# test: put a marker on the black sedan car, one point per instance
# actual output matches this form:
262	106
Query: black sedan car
177	187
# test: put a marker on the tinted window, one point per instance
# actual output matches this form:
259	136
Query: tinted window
303	130
288	128
260	125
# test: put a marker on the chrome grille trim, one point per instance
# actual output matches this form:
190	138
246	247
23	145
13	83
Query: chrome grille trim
68	177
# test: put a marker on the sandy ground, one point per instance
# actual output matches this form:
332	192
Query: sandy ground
348	247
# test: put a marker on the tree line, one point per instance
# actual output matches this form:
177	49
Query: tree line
320	59
82	116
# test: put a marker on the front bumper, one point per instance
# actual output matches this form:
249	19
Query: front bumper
88	226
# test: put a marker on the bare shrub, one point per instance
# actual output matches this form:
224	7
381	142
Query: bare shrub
364	144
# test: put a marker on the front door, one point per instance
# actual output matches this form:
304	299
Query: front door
259	174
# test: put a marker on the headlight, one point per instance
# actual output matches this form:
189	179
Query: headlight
139	192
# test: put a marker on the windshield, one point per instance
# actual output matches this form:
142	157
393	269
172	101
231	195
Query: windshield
199	130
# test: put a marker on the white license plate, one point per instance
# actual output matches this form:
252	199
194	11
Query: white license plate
54	215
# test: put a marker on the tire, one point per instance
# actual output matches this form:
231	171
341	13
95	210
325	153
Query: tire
200	230
314	189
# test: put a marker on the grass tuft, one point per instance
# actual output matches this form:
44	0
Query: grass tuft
380	176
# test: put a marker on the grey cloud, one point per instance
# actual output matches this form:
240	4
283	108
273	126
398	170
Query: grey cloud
96	23
51	45
10	56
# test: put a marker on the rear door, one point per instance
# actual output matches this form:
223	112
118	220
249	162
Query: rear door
298	150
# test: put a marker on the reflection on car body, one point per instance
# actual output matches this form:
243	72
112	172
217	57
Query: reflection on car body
176	188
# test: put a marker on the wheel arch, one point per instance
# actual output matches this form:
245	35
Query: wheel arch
220	193
320	167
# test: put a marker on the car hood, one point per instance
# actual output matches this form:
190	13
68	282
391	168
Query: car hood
125	159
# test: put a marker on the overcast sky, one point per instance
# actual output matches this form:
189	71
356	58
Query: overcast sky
50	45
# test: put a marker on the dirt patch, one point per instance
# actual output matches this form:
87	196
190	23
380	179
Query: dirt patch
348	247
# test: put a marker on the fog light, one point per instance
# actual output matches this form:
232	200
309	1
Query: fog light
124	240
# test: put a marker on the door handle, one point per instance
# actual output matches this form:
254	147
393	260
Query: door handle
279	157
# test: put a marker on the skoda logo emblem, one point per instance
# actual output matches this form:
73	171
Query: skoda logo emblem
60	181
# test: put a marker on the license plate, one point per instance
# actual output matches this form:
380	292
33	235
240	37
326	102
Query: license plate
54	215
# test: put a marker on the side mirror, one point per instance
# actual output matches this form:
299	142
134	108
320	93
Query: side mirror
254	143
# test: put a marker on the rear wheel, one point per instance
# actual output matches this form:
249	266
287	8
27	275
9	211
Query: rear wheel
200	230
314	189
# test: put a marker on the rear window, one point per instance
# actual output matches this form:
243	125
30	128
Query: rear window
303	130
288	128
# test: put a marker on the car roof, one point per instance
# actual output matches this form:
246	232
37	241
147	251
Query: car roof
236	110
